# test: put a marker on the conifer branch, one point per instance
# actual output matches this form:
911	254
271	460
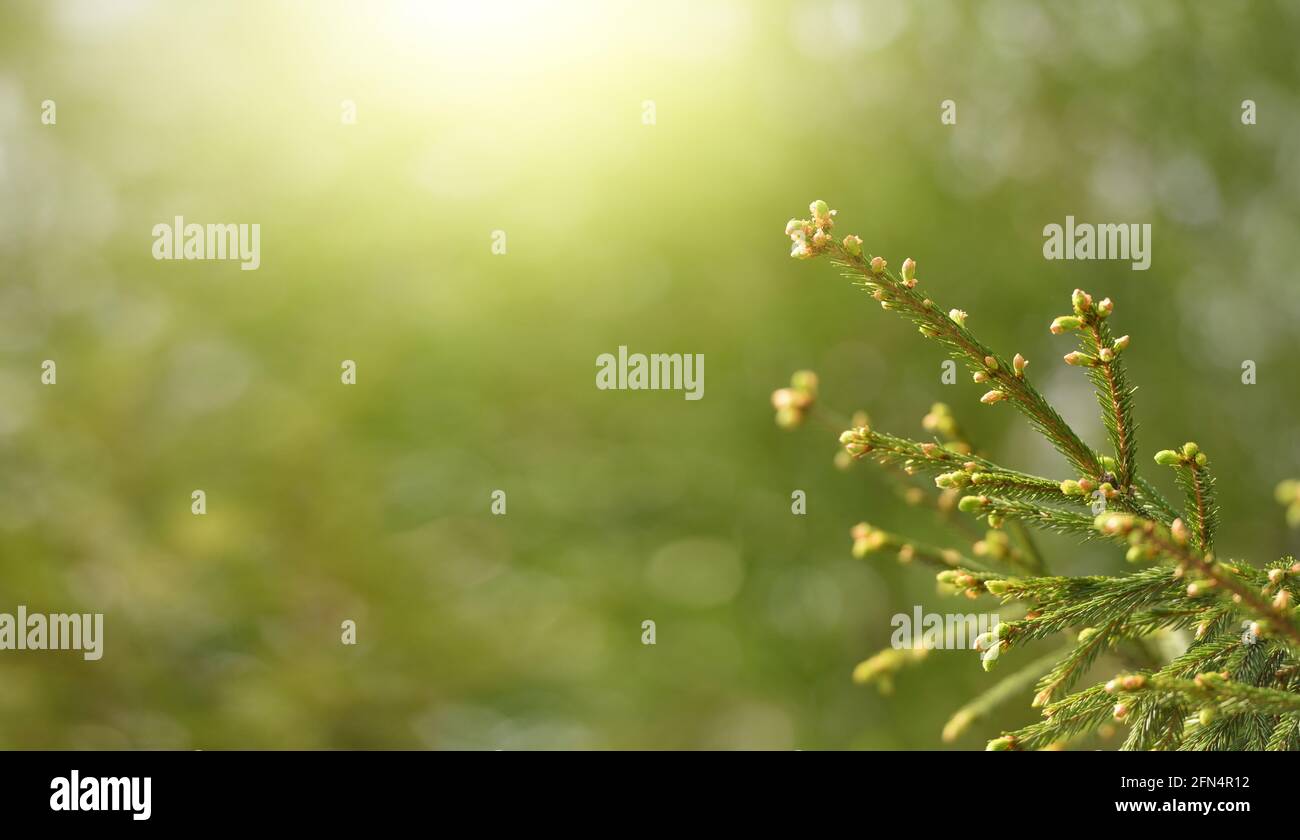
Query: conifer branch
997	545
1082	602
1285	734
953	469
1071	716
1173	543
881	668
897	293
1155	723
1244	687
1158	718
1099	355
1227	696
941	420
1153	502
1191	466
1214	651
1005	379
1039	516
868	539
984	704
1092	641
943	503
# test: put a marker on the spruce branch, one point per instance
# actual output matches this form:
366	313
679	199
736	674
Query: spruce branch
999	510
1071	716
868	539
1285	734
997	545
1276	616
1192	468
1155	723
1214	651
1225	696
881	668
953	469
1153	502
1092	641
1157	719
1083	602
1009	687
798	402
941	420
1231	688
897	293
1100	356
943	502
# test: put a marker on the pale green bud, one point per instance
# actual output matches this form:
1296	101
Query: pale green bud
1065	322
1287	491
1019	363
1168	458
989	659
805	381
790	398
1113	523
789	417
952	479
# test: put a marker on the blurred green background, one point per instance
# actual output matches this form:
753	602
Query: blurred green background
476	371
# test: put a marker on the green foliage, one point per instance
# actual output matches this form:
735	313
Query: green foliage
1236	685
